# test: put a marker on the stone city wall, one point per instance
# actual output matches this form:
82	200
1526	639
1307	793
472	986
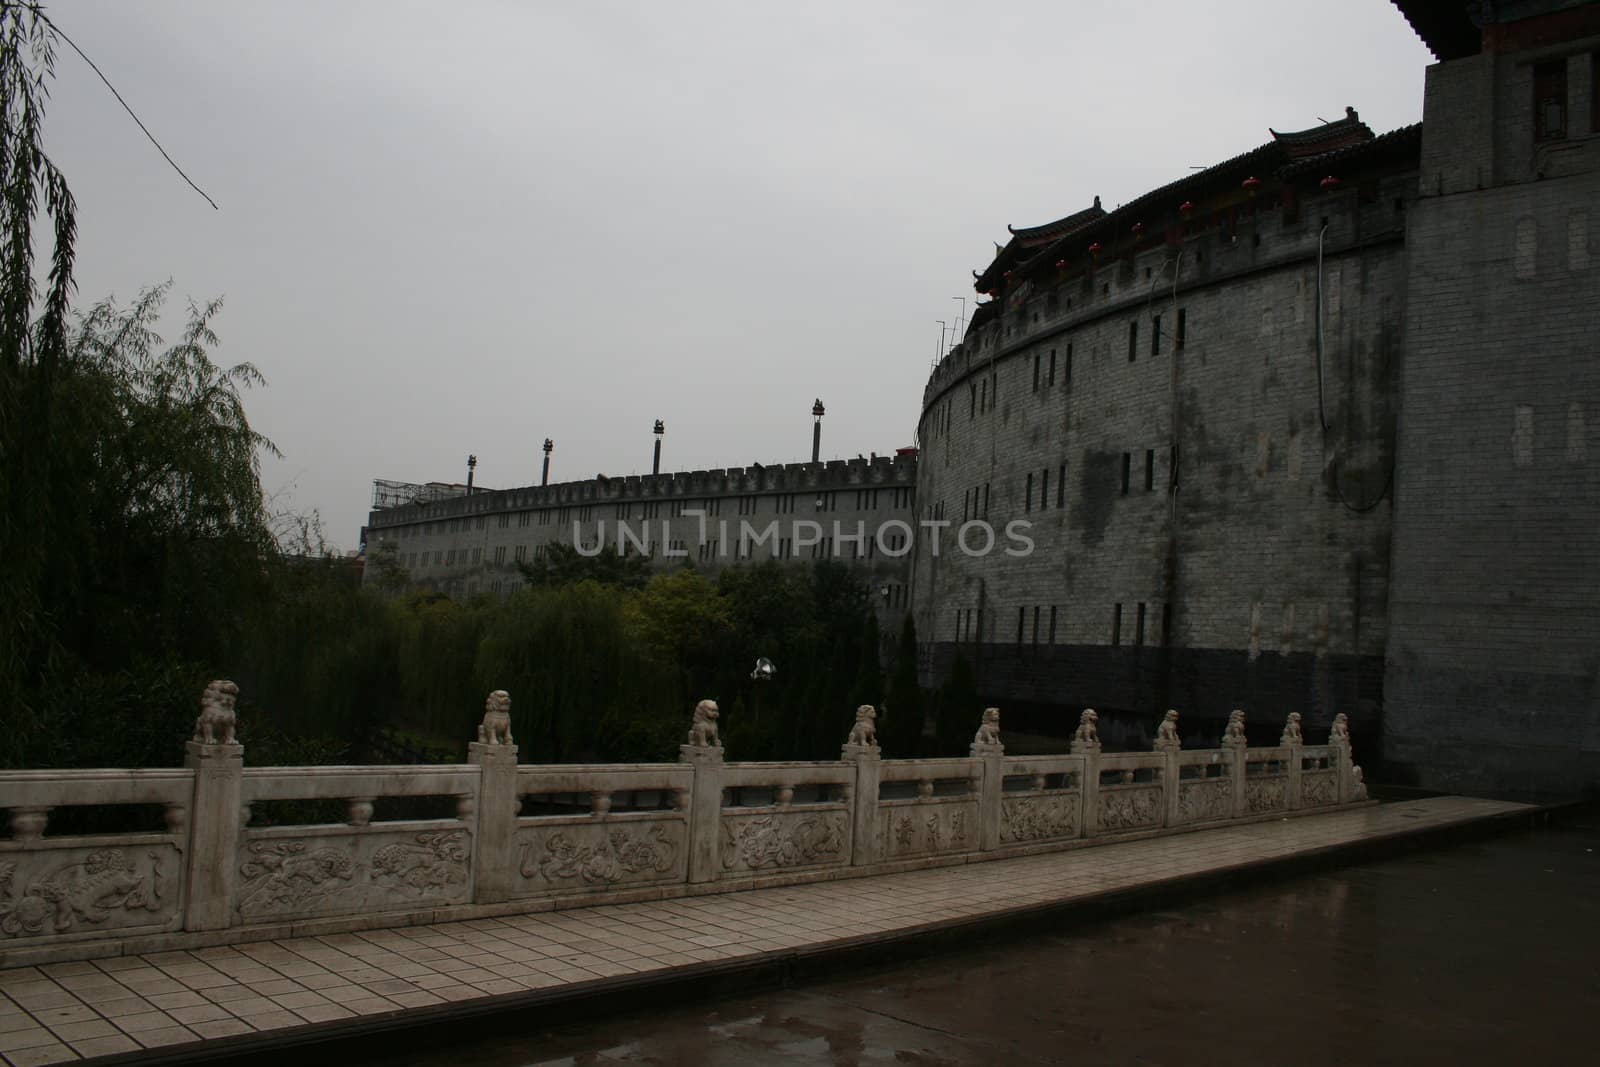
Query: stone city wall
1208	502
856	511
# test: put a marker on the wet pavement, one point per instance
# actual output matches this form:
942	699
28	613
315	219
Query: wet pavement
1486	952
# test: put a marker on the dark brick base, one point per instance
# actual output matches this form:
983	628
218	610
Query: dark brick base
1041	689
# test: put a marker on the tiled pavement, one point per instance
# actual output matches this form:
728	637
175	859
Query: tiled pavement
69	1011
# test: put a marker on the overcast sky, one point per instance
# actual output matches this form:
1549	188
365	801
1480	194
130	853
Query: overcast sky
454	228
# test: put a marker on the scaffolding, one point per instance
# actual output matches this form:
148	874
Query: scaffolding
387	494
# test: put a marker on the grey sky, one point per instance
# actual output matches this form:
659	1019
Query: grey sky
454	228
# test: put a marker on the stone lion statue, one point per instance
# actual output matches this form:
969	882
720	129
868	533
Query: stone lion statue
1167	732
988	730
216	722
495	729
1291	731
703	732
1340	734
1233	733
1087	733
1358	783
865	731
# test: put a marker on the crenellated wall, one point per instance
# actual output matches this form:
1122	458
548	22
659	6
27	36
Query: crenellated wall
861	508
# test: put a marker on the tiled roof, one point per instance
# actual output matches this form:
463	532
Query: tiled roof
1445	26
1060	227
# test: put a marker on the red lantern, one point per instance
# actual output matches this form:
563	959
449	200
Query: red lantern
1186	208
1251	184
1138	229
1329	184
1094	249
1061	264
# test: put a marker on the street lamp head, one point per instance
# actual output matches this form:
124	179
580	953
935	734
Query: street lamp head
661	427
472	461
816	409
549	446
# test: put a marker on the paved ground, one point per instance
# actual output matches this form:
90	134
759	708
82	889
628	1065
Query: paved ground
70	1011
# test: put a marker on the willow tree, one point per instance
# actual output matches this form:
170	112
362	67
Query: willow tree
131	520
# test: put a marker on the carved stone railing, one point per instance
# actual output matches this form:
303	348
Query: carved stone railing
229	853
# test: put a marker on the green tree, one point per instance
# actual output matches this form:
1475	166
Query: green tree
959	713
900	726
389	574
563	564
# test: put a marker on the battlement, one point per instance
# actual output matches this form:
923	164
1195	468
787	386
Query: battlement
731	481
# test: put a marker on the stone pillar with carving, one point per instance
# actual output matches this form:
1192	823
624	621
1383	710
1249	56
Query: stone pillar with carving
1234	751
1339	742
217	760
494	841
1293	740
987	749
862	750
1169	744
1086	743
704	753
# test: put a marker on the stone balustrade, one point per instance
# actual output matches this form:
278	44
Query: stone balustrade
502	837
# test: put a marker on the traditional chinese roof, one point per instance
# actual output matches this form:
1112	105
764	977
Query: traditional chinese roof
1445	26
1051	230
1405	141
1345	142
1330	136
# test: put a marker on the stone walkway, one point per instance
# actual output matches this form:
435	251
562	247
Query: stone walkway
72	1011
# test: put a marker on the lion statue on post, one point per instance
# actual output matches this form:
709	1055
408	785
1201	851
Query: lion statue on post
1291	731
216	722
703	732
495	729
989	729
1087	736
865	731
1167	733
1340	733
1233	733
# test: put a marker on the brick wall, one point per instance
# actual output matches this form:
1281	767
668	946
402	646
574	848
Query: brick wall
1494	652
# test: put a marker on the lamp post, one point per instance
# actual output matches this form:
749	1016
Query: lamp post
816	431
661	428
472	466
544	476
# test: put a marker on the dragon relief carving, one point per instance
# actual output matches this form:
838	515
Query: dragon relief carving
1128	809
768	842
281	875
1318	788
1202	801
1268	794
603	863
284	876
437	860
1038	818
89	891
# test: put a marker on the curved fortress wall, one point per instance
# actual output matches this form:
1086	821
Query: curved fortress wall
464	544
1207	499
